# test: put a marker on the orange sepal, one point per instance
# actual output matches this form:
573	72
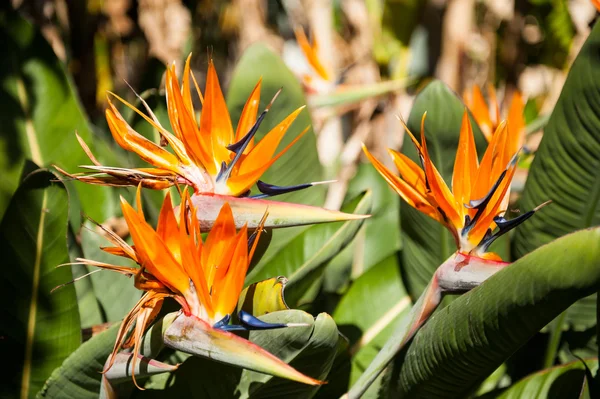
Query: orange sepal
264	150
465	165
480	111
408	193
215	122
248	116
132	141
242	182
227	288
310	52
216	254
439	190
152	252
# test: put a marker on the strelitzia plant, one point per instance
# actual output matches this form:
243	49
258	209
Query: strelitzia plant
473	211
205	277
220	164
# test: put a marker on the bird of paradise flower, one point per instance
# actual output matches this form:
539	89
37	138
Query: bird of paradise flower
204	277
475	206
473	212
219	164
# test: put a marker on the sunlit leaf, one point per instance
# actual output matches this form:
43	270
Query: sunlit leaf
39	328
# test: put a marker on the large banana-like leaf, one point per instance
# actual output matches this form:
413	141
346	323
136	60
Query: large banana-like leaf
39	328
309	349
315	358
565	381
40	114
426	244
301	163
379	237
466	341
303	259
80	374
367	326
565	169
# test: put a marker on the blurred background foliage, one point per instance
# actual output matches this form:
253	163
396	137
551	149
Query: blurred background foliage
63	56
116	45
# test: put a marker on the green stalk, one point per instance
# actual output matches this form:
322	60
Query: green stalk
555	334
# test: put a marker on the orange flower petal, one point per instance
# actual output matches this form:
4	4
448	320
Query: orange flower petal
486	221
215	255
465	165
264	150
439	190
191	260
516	123
248	116
310	52
130	140
408	193
227	288
409	171
491	164
153	253
242	182
198	147
215	122
168	229
173	141
480	111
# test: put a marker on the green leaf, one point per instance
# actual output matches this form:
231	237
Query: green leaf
354	94
370	311
115	292
565	169
467	340
301	163
379	237
565	381
80	374
426	243
308	349
302	260
40	114
39	328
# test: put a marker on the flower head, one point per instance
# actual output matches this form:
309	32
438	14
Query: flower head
488	118
316	77
474	207
207	153
204	277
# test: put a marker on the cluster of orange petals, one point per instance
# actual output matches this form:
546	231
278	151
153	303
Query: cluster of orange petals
425	189
206	278
489	117
199	146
